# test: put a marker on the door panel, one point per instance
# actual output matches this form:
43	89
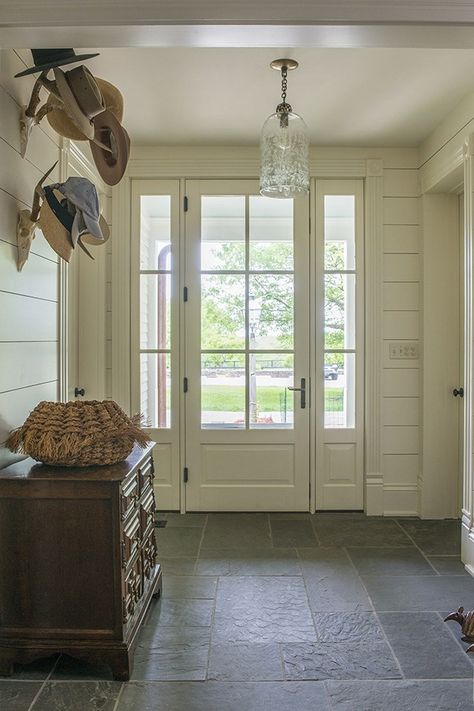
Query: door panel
247	343
339	343
154	326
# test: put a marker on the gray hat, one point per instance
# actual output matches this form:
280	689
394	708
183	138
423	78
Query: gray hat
82	195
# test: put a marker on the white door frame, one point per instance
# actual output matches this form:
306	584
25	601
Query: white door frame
229	163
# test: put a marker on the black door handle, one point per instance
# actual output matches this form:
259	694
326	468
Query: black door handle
79	391
302	392
458	392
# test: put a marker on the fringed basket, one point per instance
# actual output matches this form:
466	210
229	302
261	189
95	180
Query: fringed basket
78	434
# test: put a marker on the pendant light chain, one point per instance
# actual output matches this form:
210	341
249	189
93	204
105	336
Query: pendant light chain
283	109
284	83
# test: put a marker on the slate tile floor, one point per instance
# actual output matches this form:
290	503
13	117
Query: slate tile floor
288	611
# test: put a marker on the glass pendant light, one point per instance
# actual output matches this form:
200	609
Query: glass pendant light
284	146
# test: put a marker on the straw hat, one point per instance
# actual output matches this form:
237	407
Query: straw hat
48	58
81	97
111	164
59	222
54	231
62	124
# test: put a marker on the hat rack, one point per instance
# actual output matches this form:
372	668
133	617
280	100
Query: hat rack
75	100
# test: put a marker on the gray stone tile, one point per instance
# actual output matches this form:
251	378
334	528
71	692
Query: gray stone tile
178	612
262	609
290	516
189	586
424	647
417	593
220	696
161	636
448	565
37	670
356	532
434	537
400	695
326	660
348	627
293	533
172	654
71	669
75	695
245	662
177	566
177	542
231	531
332	582
177	520
389	561
17	695
248	561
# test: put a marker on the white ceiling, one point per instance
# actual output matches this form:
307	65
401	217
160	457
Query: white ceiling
356	97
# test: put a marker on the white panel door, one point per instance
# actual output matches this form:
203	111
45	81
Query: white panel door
339	344
154	330
247	344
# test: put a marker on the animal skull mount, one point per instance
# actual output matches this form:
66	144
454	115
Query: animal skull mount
29	116
28	222
466	622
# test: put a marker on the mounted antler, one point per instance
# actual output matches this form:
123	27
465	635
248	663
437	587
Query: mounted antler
28	221
29	115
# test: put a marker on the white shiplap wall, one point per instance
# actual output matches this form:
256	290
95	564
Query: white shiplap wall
401	323
28	299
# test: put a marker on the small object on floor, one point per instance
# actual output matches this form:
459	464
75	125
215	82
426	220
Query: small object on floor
466	621
160	524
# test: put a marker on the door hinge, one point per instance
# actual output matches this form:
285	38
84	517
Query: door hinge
185	203
185	385
185	475
185	294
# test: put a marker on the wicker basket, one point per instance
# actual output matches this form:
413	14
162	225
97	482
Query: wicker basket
78	434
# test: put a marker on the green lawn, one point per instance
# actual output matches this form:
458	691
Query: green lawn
231	398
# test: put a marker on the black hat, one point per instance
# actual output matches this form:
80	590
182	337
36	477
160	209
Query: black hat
49	58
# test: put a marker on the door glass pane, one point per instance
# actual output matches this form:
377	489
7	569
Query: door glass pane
155	232
339	390
222	311
271	311
339	311
223	232
271	234
155	383
339	232
271	404
155	311
223	390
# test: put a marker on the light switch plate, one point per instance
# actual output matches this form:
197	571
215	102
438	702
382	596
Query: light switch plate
404	350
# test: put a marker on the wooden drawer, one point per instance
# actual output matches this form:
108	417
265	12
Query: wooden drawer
131	538
146	474
149	553
129	495
147	510
133	589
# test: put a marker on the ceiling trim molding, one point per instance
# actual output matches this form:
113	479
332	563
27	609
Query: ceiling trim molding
443	172
86	31
56	12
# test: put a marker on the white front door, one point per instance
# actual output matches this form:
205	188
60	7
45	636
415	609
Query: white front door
247	368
